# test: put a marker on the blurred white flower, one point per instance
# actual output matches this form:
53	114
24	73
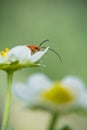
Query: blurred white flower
19	57
63	96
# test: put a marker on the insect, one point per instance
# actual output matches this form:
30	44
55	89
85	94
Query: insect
38	48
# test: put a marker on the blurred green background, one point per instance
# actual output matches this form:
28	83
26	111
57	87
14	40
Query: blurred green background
64	23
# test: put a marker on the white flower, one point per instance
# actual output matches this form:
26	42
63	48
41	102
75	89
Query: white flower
19	57
64	96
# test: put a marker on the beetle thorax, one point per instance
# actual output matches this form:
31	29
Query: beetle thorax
34	48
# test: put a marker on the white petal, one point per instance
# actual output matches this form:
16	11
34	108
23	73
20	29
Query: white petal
20	53
74	84
29	92
83	100
39	79
21	91
2	60
38	82
35	57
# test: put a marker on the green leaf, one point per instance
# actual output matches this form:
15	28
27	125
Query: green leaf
66	127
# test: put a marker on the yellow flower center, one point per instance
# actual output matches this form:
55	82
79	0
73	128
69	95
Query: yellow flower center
58	94
4	53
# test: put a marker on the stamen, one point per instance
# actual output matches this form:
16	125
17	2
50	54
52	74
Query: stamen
58	94
6	50
3	53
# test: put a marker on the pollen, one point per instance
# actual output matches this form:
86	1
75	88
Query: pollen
6	50
4	53
58	94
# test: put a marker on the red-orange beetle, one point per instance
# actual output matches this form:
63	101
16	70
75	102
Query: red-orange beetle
34	48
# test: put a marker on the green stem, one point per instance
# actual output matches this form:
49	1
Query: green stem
53	121
8	100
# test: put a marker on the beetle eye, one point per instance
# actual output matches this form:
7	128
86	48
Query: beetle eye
37	48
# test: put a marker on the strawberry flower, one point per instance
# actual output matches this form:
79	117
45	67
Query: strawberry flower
19	57
67	95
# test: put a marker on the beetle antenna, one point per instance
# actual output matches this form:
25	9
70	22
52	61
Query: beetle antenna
54	52
44	42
